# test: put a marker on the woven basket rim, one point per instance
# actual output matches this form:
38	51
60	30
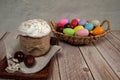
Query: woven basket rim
59	34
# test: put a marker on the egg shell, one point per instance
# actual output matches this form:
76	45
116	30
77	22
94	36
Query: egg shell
69	31
89	26
82	32
95	22
60	25
63	21
60	29
68	25
82	22
78	28
98	30
74	22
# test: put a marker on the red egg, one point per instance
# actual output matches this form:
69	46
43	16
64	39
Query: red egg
74	22
60	25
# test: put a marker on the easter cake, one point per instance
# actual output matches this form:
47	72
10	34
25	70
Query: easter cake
79	31
35	37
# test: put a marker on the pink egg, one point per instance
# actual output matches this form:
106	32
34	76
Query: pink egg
82	32
63	21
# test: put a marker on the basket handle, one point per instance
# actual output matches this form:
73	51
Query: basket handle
52	25
108	23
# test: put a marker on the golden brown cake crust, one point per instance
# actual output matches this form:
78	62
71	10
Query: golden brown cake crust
35	46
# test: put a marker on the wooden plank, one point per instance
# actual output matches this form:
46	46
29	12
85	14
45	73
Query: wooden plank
113	40
2	34
116	33
110	53
72	65
55	74
10	35
98	66
2	47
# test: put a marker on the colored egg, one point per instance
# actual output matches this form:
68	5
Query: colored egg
89	26
69	31
78	28
74	22
82	22
68	25
98	31
82	32
60	25
60	29
63	21
95	22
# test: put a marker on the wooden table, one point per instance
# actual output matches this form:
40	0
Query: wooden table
96	61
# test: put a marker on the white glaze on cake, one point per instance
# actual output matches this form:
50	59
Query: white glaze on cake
34	28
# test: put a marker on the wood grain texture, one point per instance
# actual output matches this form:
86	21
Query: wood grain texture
72	65
2	34
2	50
10	35
98	66
55	73
113	40
96	61
116	33
110	50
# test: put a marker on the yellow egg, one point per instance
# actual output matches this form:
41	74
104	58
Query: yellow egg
78	28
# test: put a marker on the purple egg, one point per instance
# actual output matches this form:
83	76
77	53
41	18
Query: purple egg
82	22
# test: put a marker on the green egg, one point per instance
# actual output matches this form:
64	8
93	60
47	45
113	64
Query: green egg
69	31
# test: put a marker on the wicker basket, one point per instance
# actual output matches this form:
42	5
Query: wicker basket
75	40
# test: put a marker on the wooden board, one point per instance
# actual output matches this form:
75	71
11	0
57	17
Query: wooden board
113	40
116	33
97	61
72	65
110	50
98	66
55	73
2	34
42	75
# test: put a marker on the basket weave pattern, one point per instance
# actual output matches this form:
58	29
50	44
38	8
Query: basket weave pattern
76	40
